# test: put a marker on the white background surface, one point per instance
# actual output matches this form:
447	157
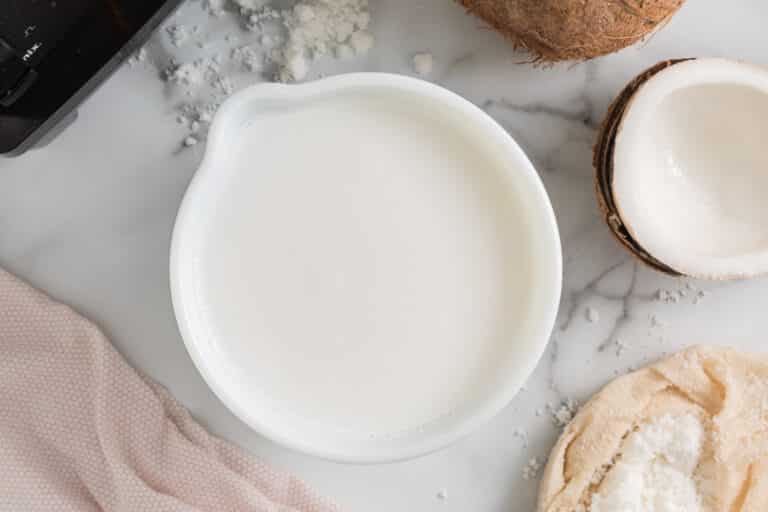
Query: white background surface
89	220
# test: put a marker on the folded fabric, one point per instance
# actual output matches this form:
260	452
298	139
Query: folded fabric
80	430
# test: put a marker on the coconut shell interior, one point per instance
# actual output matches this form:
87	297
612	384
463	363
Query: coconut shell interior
604	162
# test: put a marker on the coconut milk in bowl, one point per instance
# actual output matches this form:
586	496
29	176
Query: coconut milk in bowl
364	268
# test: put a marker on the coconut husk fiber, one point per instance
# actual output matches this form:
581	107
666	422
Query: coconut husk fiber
561	30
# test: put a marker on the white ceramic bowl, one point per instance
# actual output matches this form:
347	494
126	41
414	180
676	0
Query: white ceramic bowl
530	336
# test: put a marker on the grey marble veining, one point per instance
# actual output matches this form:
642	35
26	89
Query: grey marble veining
89	218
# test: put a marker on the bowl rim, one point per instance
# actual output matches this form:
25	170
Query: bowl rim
525	171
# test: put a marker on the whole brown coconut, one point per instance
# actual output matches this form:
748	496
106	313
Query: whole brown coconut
558	30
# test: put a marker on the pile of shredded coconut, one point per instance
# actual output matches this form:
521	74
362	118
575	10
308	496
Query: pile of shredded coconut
655	470
321	27
313	28
282	44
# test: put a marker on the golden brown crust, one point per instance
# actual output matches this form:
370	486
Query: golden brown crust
558	30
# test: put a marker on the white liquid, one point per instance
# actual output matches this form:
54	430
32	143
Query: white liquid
364	270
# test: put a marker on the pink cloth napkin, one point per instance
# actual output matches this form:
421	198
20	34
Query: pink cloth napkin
80	430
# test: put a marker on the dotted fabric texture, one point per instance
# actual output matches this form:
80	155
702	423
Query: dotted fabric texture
80	430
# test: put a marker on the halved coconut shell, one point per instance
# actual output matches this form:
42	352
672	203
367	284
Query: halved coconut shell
603	162
681	168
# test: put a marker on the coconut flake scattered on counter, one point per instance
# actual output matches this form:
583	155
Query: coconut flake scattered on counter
313	28
248	57
139	57
532	468
178	34
189	73
564	413
666	296
317	28
285	45
423	64
675	296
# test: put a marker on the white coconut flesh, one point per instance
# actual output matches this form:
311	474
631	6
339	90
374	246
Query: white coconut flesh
690	168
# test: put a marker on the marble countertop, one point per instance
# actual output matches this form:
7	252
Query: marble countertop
89	217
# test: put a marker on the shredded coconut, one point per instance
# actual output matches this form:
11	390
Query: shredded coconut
219	82
201	71
139	57
361	42
285	44
190	141
531	469
655	470
423	64
249	58
215	7
256	18
196	116
187	74
675	296
316	28
564	413
666	296
178	34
